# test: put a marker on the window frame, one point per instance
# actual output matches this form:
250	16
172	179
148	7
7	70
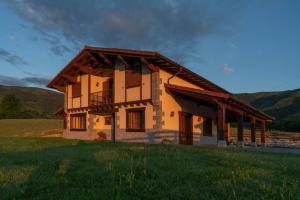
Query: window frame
107	118
142	120
82	116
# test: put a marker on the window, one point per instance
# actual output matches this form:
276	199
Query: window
207	127
78	122
107	120
133	77
76	90
135	120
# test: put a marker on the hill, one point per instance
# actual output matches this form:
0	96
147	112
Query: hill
284	106
41	102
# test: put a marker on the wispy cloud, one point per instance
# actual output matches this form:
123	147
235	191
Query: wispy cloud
11	57
60	49
169	26
27	81
226	69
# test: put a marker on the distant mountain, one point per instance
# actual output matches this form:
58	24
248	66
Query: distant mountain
281	105
41	102
284	106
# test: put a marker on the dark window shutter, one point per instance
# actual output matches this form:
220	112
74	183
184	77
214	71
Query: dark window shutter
133	76
76	90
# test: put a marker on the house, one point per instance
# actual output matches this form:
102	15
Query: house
142	96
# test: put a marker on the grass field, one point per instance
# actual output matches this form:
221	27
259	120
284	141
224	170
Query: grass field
55	168
27	127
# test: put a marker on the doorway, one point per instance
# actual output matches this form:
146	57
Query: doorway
185	128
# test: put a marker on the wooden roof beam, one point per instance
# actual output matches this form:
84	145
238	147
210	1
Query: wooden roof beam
149	65
70	78
86	70
101	55
120	58
59	87
92	58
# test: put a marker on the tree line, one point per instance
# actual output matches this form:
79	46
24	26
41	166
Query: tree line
12	108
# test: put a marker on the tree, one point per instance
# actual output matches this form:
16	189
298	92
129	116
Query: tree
10	106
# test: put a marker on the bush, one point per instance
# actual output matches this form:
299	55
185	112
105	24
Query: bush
101	136
10	106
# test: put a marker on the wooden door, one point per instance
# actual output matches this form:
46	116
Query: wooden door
185	128
107	91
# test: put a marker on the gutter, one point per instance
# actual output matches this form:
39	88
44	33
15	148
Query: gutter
174	75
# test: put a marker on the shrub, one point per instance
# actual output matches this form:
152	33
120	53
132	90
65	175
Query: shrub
101	136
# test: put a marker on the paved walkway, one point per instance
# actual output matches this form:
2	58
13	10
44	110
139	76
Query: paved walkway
274	149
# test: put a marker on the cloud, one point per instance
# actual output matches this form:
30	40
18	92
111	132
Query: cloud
42	81
7	80
226	69
60	49
27	81
168	26
11	58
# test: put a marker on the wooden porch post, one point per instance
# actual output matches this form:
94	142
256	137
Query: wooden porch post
221	125
240	121
263	132
253	131
227	133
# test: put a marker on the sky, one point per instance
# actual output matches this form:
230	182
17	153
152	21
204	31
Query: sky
243	46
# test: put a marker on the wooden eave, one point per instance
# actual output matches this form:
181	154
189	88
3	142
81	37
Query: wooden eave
218	97
60	112
153	61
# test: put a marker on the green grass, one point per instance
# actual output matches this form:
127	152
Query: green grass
55	168
27	127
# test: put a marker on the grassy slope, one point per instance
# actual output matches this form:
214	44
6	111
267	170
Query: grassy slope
41	100
55	168
21	127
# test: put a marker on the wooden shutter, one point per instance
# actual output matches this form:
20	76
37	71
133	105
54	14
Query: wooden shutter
76	90
105	93
133	76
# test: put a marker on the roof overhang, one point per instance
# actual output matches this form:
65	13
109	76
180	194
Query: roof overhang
93	60
218	97
60	112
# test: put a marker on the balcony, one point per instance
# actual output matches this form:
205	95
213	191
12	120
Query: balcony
101	98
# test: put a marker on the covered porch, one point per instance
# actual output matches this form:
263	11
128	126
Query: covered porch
228	110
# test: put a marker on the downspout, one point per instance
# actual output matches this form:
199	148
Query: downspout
174	75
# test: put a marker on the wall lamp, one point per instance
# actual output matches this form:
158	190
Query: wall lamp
172	114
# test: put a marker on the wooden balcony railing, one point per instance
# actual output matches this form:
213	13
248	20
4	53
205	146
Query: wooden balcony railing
101	98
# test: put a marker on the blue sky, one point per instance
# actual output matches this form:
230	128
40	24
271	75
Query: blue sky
243	46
